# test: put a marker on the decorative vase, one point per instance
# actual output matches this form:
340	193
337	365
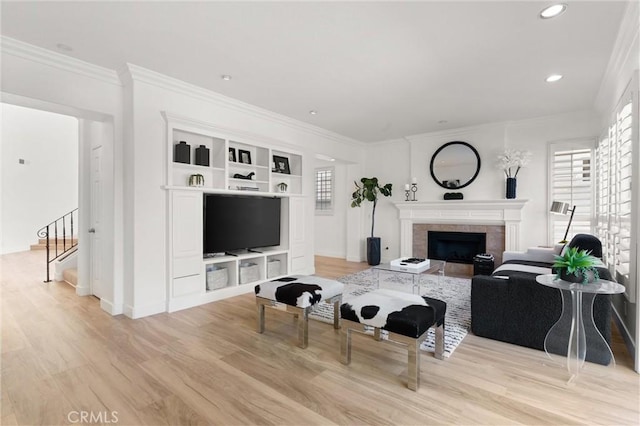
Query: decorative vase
373	250
202	156
196	180
572	278
511	187
182	153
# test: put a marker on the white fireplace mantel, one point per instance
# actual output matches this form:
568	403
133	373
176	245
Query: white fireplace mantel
461	212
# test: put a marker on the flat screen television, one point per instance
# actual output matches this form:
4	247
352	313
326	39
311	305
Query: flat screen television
237	222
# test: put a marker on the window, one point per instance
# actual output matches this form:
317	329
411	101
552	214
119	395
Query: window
324	190
571	183
614	193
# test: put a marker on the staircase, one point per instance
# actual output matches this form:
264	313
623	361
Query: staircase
42	244
58	238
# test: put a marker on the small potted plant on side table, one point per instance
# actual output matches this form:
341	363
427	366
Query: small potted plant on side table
577	266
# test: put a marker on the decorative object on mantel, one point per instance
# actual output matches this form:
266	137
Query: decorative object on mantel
202	156
282	187
453	196
196	180
250	176
511	161
369	191
182	153
577	266
411	190
561	207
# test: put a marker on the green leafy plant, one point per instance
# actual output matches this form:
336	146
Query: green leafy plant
576	262
369	190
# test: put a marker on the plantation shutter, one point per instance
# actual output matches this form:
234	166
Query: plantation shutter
324	190
571	182
615	222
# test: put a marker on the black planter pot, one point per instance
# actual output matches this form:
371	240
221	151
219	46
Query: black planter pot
373	250
565	276
511	187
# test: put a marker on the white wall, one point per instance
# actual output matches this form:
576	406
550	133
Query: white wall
388	160
45	187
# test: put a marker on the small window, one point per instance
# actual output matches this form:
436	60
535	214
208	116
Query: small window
324	191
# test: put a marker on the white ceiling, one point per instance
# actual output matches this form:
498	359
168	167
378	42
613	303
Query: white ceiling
373	71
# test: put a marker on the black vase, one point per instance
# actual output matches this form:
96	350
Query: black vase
182	153
511	187
202	156
373	250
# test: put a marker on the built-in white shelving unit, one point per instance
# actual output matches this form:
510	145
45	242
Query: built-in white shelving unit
230	158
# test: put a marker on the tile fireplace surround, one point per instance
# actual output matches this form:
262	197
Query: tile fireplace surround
499	219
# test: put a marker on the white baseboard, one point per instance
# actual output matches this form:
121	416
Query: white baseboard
135	312
110	308
339	255
83	291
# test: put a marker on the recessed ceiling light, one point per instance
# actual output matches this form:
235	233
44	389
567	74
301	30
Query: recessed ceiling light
313	112
553	11
553	78
225	77
64	47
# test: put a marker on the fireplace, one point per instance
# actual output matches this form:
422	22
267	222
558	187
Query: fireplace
456	247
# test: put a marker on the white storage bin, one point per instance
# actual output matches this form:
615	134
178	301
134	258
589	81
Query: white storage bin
216	277
273	268
249	272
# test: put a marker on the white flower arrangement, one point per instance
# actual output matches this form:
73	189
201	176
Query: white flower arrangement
512	160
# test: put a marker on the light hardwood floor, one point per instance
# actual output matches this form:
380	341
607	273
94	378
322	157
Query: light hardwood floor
62	355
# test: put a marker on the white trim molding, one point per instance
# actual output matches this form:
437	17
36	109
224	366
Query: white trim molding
461	212
48	57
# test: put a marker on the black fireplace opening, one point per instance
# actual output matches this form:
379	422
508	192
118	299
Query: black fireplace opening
456	247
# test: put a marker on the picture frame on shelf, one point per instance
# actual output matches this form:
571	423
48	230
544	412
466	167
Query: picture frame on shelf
281	165
232	155
244	156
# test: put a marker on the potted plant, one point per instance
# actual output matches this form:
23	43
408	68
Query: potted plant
196	180
369	190
577	266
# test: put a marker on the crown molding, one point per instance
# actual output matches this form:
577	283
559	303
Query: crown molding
460	131
144	75
53	59
626	43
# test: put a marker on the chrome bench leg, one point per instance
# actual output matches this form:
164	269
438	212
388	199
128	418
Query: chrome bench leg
260	316
439	349
303	329
345	345
413	371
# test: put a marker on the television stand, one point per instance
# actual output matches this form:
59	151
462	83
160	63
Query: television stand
254	251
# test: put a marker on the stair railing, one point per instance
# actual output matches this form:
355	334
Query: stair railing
61	243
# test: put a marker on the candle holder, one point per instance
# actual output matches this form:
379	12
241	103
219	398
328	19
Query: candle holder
406	194
414	189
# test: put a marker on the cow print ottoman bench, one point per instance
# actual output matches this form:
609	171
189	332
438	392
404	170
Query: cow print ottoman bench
300	294
406	317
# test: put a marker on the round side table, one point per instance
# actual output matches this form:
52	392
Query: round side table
577	313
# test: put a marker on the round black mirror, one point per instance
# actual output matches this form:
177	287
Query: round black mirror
455	165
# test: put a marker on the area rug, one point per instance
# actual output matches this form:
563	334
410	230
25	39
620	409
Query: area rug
456	292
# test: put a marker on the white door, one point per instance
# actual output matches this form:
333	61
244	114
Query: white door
95	244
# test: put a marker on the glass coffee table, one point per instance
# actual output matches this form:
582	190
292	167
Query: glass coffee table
435	267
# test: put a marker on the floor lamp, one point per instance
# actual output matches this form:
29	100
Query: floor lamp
562	208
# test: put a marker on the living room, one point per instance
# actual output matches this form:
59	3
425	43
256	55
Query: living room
125	104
